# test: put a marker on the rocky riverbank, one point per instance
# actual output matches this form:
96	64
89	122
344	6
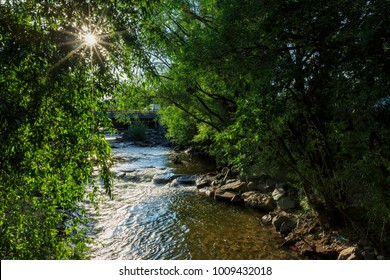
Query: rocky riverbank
281	206
280	203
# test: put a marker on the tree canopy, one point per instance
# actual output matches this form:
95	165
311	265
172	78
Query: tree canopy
298	89
55	88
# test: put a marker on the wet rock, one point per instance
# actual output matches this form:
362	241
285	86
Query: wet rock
226	196
266	219
186	179
202	182
162	179
119	159
132	177
235	186
121	175
286	228
283	224
207	191
215	182
190	151
174	183
258	200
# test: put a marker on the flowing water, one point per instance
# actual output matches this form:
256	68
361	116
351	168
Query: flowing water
149	221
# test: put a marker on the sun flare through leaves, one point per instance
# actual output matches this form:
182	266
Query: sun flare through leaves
87	38
90	39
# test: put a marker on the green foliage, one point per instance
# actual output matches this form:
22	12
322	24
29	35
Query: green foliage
54	96
293	87
296	87
137	131
180	127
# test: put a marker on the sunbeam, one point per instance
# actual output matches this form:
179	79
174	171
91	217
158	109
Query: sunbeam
88	36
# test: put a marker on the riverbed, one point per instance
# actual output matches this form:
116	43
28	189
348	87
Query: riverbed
145	220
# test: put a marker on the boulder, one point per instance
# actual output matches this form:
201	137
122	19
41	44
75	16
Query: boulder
202	182
162	179
207	191
261	187
186	179
286	203
235	186
121	175
278	193
266	219
174	183
226	196
258	200
132	177
283	224
286	228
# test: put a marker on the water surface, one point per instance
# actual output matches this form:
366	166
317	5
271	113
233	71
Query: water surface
149	221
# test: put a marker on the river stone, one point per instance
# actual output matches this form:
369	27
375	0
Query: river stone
258	200
286	203
186	179
283	223
236	186
132	177
174	183
253	186
226	196
207	191
183	180
266	219
202	182
229	181
162	179
120	175
278	193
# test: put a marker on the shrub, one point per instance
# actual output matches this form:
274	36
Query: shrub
137	131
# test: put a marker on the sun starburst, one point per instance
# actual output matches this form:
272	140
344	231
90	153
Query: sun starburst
88	37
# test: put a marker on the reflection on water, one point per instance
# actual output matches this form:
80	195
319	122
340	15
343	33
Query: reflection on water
148	221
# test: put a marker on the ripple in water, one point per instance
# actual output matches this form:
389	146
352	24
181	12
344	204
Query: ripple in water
147	221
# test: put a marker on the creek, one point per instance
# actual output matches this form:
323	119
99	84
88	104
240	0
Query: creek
145	220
